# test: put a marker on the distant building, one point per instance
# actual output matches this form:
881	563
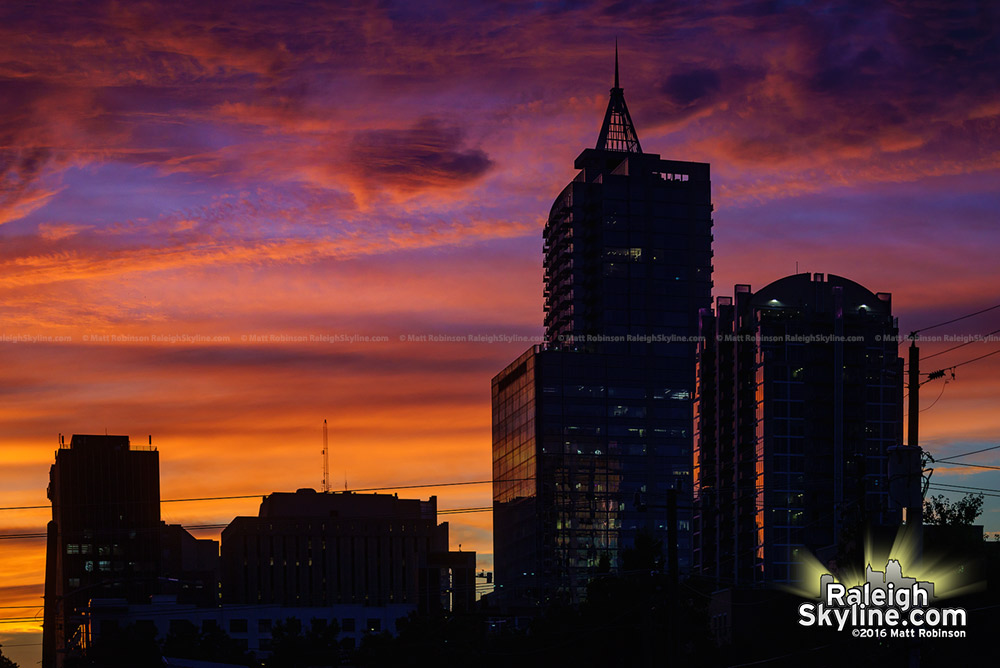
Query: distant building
189	567
799	397
592	431
106	539
312	549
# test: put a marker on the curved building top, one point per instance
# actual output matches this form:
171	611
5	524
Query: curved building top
800	291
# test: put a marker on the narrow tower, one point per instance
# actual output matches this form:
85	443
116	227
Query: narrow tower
592	432
326	460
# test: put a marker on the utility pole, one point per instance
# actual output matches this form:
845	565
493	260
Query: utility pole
906	461
915	513
906	473
913	387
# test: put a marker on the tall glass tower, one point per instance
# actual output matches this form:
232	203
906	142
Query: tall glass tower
799	399
592	431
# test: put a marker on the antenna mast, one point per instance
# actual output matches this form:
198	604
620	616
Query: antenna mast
326	461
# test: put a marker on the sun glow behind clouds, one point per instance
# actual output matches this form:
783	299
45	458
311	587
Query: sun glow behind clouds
379	170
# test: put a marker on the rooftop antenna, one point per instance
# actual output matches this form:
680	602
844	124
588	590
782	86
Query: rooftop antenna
326	461
617	130
616	63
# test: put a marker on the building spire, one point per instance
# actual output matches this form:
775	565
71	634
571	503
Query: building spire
617	131
616	63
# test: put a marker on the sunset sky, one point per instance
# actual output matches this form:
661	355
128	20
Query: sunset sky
221	172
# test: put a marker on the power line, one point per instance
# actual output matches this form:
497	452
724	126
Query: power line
975	489
205	527
961	345
358	489
938	488
966	454
977	466
260	496
967	487
974	359
934	375
19	607
940	394
948	322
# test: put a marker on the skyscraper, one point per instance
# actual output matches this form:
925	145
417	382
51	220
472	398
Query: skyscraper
799	397
104	537
592	430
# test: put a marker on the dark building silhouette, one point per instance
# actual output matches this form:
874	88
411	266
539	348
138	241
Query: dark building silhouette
106	539
592	430
103	540
799	397
189	567
312	549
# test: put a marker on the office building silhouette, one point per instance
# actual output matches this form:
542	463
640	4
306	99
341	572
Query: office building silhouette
104	537
326	549
592	431
799	397
106	540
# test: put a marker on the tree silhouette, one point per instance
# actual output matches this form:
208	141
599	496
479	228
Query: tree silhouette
941	511
5	662
293	648
185	640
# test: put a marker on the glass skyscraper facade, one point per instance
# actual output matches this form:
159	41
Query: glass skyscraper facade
799	398
593	429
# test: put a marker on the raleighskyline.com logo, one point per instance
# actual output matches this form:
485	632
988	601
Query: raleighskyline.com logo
887	605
